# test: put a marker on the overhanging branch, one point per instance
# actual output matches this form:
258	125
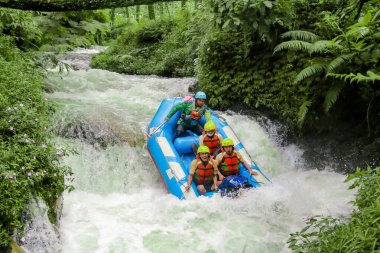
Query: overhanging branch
72	5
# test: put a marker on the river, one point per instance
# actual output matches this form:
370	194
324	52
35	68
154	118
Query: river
119	203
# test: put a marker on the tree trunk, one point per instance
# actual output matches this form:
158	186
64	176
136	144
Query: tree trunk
72	5
152	15
126	12
137	13
161	8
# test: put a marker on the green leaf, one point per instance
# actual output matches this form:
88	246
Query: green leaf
225	25
312	70
332	96
337	62
296	45
302	112
300	35
319	46
268	4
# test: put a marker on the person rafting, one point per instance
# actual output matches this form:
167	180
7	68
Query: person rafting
203	171
211	138
228	161
192	112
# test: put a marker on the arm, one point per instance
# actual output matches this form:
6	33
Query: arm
175	109
191	173
201	140
215	176
252	172
218	160
189	181
208	115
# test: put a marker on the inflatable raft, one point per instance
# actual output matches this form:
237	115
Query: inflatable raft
172	157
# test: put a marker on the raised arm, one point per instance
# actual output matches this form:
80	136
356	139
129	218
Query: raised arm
208	114
175	109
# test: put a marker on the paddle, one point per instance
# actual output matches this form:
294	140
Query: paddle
219	116
156	130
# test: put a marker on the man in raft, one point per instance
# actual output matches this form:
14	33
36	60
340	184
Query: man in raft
229	161
203	171
193	111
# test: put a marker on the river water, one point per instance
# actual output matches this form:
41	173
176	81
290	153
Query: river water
119	203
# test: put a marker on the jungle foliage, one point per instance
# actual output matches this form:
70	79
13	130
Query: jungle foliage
164	47
29	160
324	57
310	62
359	233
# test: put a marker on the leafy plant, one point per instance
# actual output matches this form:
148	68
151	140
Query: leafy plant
350	49
29	161
358	233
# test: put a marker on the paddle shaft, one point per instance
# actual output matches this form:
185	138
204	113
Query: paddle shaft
156	130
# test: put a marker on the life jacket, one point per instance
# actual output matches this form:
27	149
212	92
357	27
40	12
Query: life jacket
195	114
203	174
211	142
230	164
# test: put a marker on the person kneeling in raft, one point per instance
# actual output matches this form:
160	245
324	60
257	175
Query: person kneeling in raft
229	161
204	172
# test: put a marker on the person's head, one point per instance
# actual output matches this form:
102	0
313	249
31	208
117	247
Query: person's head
204	153
210	128
228	145
200	98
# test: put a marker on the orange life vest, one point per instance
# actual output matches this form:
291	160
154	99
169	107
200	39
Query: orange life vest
230	164
211	143
203	174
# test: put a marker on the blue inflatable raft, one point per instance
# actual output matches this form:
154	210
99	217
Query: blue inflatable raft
173	157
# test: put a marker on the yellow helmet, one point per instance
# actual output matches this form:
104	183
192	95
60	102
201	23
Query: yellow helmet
203	149
227	142
209	126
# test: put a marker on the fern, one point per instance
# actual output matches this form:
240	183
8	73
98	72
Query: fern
300	35
310	71
302	112
332	96
337	62
359	32
293	45
372	77
319	46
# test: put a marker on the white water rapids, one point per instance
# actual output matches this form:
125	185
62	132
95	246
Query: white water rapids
119	203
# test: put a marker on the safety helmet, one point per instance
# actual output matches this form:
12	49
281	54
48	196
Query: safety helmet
227	142
200	95
209	126
203	149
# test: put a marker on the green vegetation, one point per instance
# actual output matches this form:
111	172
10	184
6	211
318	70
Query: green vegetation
29	161
164	47
316	59
360	233
29	165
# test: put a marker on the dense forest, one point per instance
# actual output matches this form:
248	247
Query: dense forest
312	64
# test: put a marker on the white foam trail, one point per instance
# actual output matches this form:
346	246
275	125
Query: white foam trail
120	205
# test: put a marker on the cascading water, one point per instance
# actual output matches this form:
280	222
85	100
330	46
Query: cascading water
119	203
